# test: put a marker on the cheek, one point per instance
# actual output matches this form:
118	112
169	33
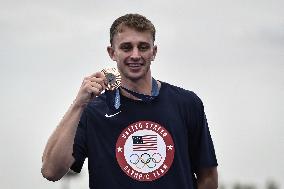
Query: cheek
148	56
117	57
121	56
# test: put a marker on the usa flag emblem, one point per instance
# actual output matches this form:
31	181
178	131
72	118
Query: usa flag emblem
144	143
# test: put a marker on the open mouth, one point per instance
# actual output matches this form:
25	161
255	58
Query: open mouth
134	65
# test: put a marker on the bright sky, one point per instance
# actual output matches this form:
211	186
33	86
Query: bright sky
231	53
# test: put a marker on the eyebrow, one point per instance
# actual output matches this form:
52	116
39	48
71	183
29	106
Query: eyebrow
124	43
129	43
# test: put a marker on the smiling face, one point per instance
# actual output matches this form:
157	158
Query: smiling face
133	51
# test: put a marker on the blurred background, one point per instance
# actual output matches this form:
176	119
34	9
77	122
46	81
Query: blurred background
229	52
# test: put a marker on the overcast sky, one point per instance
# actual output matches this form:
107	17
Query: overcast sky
231	53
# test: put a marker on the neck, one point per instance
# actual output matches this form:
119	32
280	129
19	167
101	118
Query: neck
137	95
143	86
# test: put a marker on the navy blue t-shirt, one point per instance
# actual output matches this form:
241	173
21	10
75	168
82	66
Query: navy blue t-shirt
156	145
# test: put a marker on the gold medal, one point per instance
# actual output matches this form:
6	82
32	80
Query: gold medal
113	78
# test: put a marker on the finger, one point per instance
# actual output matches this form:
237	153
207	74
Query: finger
97	74
99	81
93	90
100	86
94	75
96	79
92	80
96	91
97	85
102	75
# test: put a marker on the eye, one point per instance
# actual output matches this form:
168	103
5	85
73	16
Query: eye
144	47
126	47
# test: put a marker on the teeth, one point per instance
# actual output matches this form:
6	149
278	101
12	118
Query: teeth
134	64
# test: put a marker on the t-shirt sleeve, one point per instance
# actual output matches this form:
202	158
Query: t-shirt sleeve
80	145
201	146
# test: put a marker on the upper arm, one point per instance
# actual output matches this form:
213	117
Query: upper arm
201	148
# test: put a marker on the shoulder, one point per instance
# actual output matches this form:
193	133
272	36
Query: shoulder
181	94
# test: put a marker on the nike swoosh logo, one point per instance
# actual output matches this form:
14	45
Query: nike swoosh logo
111	115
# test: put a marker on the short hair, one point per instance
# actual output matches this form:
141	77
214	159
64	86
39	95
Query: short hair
135	21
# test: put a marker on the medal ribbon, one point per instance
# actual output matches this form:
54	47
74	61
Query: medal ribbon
140	96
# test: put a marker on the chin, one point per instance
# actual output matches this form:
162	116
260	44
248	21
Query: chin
135	77
134	73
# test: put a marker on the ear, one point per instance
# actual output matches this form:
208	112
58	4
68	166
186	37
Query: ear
154	53
111	52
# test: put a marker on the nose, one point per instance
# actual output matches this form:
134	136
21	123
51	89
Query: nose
135	55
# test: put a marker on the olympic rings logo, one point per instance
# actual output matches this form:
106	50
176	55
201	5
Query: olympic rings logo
146	160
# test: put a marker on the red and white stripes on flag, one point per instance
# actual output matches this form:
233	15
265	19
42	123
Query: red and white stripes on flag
144	143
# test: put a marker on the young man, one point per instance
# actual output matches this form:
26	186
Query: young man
145	134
